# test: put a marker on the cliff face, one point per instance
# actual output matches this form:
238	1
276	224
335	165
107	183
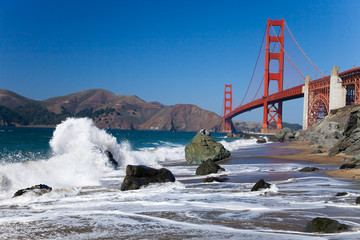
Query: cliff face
107	110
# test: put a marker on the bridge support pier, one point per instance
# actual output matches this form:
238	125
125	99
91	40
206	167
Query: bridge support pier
337	94
305	90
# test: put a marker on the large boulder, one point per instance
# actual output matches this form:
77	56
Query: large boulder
285	134
137	176
203	147
350	142
37	190
208	167
325	225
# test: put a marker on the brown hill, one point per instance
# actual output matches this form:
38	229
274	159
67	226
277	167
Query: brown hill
183	117
11	99
107	110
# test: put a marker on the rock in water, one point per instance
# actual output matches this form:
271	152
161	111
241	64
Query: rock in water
325	225
203	147
215	179
261	140
309	169
37	189
111	159
208	167
340	194
260	184
348	166
137	176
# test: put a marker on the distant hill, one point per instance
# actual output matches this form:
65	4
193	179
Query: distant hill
109	110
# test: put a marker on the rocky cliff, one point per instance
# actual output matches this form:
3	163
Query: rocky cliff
337	131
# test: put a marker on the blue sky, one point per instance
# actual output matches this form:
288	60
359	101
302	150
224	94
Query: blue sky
167	51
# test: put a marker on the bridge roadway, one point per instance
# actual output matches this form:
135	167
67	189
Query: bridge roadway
289	94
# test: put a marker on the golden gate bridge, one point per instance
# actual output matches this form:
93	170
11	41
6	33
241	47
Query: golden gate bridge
281	77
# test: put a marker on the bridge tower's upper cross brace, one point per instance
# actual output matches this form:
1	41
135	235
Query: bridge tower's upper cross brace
273	111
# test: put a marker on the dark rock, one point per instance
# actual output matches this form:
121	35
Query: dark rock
325	225
357	200
340	194
317	151
37	190
260	184
309	169
111	159
208	167
137	176
215	179
261	140
348	165
245	136
203	147
285	134
233	135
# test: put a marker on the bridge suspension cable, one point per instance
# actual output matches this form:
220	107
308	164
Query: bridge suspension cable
302	50
253	73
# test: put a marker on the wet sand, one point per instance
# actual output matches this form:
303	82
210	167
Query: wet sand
304	154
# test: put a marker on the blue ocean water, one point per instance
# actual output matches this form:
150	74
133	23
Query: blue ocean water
21	144
86	201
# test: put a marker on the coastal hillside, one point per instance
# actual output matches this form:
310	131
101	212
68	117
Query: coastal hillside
107	109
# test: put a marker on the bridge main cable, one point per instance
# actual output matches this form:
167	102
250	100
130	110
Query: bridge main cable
286	52
302	50
257	60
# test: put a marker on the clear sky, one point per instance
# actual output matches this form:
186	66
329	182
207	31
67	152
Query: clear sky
167	51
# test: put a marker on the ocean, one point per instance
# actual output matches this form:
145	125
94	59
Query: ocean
86	201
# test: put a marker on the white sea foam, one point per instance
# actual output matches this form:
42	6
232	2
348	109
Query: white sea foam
238	144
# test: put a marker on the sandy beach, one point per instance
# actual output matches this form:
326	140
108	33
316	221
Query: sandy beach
305	154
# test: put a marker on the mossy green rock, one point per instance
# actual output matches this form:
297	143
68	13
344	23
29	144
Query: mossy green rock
325	225
203	147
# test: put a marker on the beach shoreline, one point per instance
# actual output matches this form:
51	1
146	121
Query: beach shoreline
304	153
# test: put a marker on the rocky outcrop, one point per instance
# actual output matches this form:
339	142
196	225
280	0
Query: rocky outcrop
350	141
330	130
309	169
285	134
261	184
138	176
325	225
203	147
37	190
208	167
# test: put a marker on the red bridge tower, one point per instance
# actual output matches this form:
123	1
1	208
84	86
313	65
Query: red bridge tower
273	111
